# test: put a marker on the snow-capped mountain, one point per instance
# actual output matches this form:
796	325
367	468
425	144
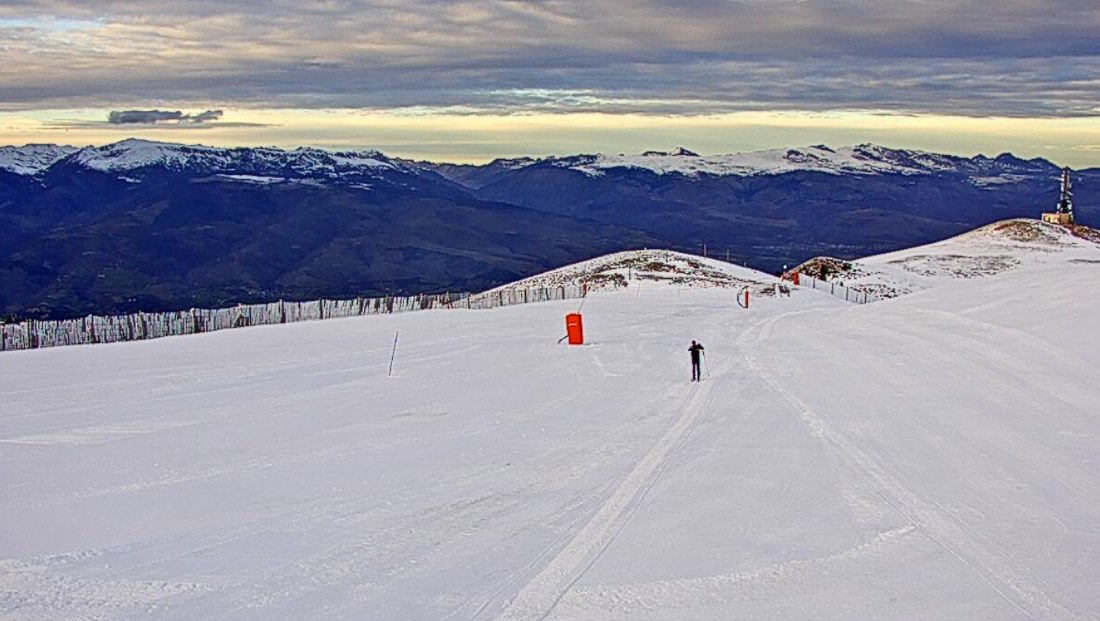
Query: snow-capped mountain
243	163
147	225
865	159
134	154
32	159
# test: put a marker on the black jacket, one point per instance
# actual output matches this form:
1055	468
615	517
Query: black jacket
695	349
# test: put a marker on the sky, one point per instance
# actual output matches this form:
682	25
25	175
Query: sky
470	81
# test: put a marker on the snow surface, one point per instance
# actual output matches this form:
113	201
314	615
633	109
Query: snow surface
647	268
935	456
514	163
859	160
134	153
993	249
257	179
32	159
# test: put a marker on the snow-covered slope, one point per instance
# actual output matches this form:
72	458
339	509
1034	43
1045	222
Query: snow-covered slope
135	154
32	159
132	154
931	458
640	268
994	249
863	159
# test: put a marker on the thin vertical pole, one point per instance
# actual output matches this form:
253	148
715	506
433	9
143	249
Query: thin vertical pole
394	353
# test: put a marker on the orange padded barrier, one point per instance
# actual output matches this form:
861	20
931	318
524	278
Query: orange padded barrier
574	328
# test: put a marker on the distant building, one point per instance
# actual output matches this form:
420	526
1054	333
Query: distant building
1063	212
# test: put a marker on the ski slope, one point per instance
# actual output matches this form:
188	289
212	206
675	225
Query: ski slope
935	456
993	249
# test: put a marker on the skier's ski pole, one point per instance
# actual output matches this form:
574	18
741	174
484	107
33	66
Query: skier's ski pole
394	353
705	364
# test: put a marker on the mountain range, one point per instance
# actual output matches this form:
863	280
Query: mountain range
140	225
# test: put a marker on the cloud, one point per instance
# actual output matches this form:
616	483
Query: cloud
142	116
149	117
981	57
202	117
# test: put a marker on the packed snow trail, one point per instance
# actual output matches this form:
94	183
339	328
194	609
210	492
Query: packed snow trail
964	466
930	457
537	598
275	472
1004	574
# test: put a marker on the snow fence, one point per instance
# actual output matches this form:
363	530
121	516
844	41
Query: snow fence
33	334
837	289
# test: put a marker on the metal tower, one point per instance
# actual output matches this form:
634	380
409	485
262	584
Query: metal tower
1065	200
1063	211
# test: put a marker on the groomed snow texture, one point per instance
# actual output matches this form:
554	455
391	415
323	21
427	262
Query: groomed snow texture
934	456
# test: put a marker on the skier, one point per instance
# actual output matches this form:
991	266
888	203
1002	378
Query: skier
696	350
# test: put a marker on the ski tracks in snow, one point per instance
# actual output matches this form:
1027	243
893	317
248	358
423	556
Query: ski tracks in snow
1009	578
47	587
538	598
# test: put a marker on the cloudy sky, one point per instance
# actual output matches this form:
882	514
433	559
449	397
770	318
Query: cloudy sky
469	81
